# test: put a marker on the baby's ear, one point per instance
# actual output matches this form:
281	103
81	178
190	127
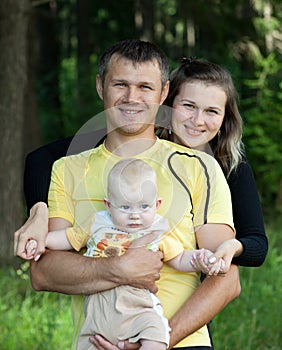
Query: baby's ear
158	203
107	203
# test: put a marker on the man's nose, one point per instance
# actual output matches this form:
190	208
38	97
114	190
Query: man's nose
131	94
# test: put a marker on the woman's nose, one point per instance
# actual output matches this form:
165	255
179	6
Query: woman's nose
198	117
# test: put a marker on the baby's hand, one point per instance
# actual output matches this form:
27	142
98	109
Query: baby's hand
30	249
205	261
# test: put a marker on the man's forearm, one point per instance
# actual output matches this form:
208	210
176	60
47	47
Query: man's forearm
71	273
208	300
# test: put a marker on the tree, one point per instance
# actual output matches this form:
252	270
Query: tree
14	17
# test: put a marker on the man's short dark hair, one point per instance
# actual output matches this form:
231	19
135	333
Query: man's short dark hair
137	51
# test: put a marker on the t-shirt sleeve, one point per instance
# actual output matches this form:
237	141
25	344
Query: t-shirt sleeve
77	237
170	246
60	200
212	198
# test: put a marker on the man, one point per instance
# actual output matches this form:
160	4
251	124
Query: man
132	81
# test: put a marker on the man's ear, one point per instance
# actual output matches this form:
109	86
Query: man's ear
99	86
164	92
158	203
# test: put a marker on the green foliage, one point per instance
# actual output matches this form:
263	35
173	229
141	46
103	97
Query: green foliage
30	320
263	126
253	321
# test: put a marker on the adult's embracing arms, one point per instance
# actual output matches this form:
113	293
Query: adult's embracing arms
72	273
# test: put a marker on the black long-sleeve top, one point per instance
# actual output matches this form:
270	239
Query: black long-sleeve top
247	213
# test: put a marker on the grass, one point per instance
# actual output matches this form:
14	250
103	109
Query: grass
254	320
31	321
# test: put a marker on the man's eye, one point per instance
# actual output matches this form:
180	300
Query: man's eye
119	84
146	87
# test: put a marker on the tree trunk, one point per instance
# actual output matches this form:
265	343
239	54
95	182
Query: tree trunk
84	83
14	16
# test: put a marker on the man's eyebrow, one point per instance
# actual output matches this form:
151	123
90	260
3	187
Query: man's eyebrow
117	80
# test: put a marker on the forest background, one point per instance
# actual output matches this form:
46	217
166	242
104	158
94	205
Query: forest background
49	52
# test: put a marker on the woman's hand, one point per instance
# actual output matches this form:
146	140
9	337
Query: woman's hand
35	228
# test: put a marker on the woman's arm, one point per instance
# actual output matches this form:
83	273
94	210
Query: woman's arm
248	218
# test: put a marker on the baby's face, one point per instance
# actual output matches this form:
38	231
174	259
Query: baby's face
133	213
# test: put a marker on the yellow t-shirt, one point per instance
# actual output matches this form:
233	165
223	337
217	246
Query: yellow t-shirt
194	192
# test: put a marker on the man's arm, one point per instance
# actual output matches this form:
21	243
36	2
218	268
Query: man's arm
213	294
208	300
72	273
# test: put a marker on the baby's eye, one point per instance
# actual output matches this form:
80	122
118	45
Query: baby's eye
144	206
124	207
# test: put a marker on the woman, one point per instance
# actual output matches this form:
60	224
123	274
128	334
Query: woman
205	116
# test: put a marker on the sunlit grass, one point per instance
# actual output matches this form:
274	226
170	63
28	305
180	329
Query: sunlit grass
31	320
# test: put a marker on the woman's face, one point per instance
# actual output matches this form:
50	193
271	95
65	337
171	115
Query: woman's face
198	112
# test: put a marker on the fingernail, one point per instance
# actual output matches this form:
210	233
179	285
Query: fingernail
37	258
120	345
212	259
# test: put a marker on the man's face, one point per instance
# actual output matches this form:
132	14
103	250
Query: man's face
131	95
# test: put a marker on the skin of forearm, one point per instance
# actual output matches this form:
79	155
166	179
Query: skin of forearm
182	262
237	246
208	300
70	273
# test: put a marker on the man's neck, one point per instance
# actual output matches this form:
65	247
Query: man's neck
128	146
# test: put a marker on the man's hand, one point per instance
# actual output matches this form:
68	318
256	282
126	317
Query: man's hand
35	228
103	344
139	267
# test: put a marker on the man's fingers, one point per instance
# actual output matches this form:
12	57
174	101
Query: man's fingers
145	240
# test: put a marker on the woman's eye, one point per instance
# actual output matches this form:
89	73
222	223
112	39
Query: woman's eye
212	111
189	105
